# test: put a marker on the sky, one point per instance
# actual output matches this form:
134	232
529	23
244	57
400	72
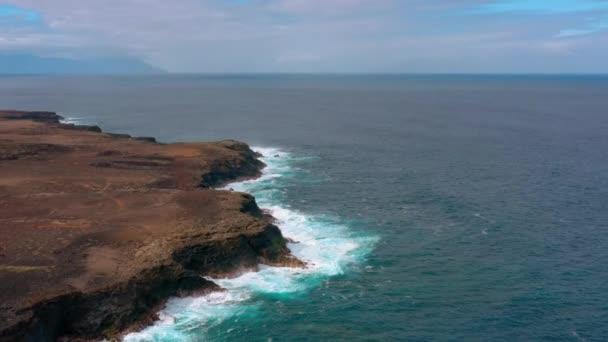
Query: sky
318	36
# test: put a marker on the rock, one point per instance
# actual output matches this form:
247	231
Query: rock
49	117
119	136
147	139
90	128
117	225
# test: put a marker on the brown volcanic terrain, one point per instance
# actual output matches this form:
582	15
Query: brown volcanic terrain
97	229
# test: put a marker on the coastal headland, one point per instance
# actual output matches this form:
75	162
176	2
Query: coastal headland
97	230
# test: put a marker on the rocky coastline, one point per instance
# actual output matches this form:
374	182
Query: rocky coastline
97	230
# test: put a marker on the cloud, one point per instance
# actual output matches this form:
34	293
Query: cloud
313	35
571	8
298	56
595	26
327	7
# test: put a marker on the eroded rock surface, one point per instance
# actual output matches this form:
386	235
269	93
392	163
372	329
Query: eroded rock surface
97	230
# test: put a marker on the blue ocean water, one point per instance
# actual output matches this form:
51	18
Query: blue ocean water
431	207
326	243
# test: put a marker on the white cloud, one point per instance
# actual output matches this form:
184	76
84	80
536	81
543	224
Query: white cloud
295	35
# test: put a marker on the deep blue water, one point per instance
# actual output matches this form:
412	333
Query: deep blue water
435	207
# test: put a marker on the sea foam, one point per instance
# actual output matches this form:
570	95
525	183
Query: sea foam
73	120
325	243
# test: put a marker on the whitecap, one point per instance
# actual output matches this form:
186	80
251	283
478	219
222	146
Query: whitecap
325	243
72	120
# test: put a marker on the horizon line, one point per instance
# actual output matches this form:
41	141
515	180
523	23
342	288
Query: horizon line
245	73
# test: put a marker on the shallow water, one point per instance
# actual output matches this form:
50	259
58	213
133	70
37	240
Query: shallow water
433	208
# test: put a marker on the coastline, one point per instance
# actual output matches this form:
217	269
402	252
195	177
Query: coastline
326	243
115	225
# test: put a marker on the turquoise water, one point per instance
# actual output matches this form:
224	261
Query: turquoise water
433	208
327	244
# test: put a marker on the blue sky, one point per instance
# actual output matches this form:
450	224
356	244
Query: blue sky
540	6
13	15
547	36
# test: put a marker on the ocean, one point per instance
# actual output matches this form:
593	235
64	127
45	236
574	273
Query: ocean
430	208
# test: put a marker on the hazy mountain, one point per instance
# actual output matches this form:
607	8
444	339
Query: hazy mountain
30	64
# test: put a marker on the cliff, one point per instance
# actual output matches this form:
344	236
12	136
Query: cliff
98	229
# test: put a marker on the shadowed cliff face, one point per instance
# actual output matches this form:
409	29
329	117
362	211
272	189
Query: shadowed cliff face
97	230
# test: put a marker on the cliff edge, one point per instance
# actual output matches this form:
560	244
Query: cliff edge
98	229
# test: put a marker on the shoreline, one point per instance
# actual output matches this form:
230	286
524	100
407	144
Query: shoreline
132	222
327	244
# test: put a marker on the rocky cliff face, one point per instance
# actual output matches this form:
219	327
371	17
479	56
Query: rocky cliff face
98	230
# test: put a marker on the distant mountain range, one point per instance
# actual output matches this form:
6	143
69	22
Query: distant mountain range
25	64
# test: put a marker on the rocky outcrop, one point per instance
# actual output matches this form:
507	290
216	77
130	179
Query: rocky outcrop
98	230
223	171
49	117
105	312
